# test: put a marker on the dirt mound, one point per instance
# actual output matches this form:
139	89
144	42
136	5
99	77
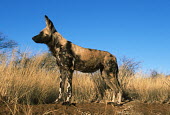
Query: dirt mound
133	107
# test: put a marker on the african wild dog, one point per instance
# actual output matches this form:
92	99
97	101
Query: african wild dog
70	57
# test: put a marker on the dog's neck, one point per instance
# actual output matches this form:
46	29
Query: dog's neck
60	39
56	43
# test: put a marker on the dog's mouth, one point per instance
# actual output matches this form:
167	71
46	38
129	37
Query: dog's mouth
35	39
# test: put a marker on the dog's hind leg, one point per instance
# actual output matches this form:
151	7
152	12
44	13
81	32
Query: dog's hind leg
110	75
112	82
100	89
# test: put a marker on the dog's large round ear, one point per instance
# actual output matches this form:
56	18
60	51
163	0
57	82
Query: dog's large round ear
49	24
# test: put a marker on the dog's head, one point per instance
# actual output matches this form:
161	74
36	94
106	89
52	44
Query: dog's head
45	35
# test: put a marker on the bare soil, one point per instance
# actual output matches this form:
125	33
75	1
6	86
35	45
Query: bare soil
132	108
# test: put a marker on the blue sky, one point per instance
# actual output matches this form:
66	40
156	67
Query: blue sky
138	29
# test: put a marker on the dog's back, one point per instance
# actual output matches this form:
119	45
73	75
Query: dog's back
89	60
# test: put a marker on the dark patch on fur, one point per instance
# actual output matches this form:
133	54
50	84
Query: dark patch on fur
65	56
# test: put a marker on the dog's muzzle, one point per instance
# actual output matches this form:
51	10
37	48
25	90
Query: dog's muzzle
35	39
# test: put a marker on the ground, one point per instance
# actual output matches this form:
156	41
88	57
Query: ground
132	108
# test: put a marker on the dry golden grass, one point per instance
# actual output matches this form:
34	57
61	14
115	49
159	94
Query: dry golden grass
27	80
30	82
148	89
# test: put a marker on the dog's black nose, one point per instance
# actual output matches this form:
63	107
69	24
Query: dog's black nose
34	39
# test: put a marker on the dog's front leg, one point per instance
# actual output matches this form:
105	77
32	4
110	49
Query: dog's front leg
69	87
61	88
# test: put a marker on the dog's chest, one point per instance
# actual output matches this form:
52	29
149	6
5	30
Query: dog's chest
64	58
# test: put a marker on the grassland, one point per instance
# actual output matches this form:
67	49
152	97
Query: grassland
33	80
